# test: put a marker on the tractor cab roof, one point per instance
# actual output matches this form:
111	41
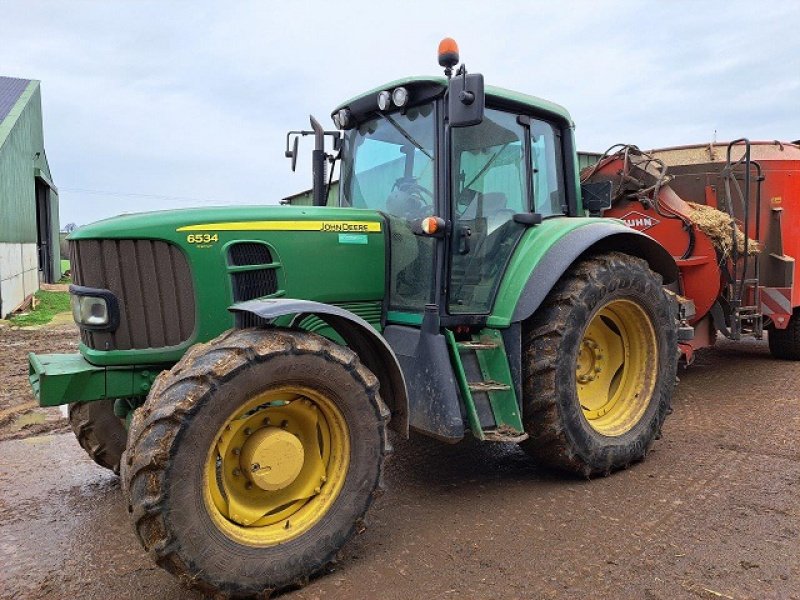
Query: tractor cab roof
425	88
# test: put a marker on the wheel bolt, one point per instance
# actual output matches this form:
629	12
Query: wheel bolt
317	490
237	451
266	420
248	485
597	369
237	472
247	431
284	424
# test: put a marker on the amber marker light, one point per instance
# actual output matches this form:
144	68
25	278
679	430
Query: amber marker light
430	225
448	53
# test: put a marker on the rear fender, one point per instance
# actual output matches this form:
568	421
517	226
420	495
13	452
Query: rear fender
590	239
359	336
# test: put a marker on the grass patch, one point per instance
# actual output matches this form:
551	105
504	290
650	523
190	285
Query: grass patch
49	305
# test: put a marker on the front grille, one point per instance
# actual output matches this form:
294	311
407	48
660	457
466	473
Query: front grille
249	253
153	283
248	285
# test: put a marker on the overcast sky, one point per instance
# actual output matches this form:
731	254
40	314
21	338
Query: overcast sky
152	105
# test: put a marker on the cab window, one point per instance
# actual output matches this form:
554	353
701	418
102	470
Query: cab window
549	197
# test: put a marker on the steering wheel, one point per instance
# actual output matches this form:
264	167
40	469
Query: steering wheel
412	187
408	201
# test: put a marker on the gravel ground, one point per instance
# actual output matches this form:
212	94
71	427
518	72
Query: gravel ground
714	511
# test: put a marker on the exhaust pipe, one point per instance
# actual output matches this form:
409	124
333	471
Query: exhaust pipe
318	164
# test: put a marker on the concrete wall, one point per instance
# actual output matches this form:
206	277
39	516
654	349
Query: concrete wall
19	274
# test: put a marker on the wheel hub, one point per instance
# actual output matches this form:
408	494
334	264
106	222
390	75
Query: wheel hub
589	361
616	367
272	458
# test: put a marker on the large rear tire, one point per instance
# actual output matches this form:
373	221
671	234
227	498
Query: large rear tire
254	460
99	432
600	357
785	343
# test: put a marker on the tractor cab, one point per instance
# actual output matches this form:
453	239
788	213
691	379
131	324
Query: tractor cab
460	171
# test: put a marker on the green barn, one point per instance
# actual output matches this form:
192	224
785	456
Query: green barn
29	249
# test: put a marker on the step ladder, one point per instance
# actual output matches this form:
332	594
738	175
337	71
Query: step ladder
744	287
486	386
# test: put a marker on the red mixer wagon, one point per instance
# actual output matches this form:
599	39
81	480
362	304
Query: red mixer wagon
735	285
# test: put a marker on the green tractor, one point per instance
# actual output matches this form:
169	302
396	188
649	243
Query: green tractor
241	366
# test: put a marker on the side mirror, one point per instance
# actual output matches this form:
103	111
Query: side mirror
466	99
596	197
293	152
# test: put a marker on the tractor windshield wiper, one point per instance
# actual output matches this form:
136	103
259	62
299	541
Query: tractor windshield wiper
406	135
487	165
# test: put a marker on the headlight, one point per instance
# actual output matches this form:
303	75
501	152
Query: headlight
89	310
94	308
400	96
342	119
384	100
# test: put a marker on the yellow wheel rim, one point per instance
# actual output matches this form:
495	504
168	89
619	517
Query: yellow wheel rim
277	466
617	367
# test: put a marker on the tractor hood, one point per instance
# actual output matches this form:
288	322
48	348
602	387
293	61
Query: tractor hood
165	222
175	273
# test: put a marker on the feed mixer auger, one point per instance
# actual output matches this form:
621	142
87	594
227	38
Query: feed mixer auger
729	214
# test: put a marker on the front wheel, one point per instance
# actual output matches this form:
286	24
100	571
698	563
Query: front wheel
600	359
99	432
254	460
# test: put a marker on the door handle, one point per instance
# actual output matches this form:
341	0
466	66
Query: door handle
464	233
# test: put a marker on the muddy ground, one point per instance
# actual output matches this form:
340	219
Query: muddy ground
714	511
19	414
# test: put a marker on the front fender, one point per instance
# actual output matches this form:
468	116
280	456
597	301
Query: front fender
359	336
595	236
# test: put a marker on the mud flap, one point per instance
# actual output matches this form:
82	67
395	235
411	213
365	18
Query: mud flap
433	402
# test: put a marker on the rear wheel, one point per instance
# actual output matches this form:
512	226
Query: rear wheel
785	343
99	432
255	459
600	358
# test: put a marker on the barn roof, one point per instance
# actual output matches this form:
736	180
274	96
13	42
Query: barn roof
11	89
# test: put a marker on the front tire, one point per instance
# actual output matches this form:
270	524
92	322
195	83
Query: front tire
99	432
600	360
255	459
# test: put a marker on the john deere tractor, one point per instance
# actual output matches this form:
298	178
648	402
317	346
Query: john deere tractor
241	365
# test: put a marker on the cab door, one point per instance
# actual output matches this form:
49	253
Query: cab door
490	183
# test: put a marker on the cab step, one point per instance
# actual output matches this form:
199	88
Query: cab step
476	345
498	435
488	386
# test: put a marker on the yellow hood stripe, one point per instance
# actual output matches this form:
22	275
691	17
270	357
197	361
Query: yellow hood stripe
333	226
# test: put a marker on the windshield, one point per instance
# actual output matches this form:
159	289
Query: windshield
388	164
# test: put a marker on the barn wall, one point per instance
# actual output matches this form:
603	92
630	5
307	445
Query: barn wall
21	138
